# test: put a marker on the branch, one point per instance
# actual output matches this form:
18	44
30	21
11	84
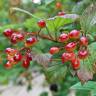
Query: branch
24	11
43	36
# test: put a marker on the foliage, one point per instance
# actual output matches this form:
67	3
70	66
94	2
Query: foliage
55	25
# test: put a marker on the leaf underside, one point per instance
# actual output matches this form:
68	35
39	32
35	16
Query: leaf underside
88	19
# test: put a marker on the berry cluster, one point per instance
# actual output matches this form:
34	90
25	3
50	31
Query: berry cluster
75	47
14	36
72	41
14	57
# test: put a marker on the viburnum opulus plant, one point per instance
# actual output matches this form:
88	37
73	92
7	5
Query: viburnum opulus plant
70	49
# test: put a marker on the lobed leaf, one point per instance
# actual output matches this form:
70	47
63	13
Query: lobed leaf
56	72
59	21
88	19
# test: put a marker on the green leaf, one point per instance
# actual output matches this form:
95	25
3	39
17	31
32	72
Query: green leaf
92	46
87	66
81	6
54	74
90	85
31	24
89	62
92	57
13	26
89	88
88	19
55	23
44	94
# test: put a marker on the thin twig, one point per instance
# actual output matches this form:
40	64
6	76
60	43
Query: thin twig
48	32
43	36
24	11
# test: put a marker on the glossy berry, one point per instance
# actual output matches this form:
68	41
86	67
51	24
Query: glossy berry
10	58
67	57
63	37
20	37
54	50
83	41
74	34
18	57
10	51
13	39
58	5
75	63
41	23
30	41
61	13
26	63
70	47
8	32
8	65
29	56
83	54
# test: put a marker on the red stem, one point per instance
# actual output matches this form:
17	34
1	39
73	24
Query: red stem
43	36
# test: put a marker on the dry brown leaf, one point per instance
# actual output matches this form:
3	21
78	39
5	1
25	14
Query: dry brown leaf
42	59
84	75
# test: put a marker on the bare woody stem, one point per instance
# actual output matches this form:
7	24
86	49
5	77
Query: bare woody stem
43	36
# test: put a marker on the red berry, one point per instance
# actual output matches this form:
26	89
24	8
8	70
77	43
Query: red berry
75	63
10	51
70	47
18	57
8	32
54	50
58	5
20	37
16	37
41	23
29	56
83	54
61	13
68	56
8	65
74	34
30	41
83	41
10	58
26	63
15	34
13	39
63	37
